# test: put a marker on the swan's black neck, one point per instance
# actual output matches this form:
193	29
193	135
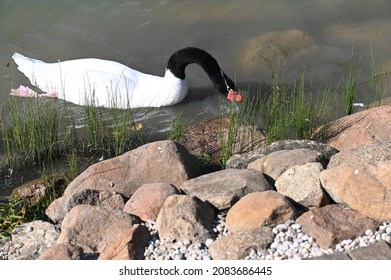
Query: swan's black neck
183	57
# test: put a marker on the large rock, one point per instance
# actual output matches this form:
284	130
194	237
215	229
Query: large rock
94	228
224	188
332	224
161	161
30	240
128	246
237	246
365	127
364	187
276	163
241	161
147	201
302	184
370	153
61	206
258	209
185	218
274	46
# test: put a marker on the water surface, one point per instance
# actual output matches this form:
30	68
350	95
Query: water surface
143	34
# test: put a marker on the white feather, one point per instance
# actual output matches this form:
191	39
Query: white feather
105	83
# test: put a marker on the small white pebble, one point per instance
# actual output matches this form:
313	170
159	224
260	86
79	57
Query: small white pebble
369	232
208	242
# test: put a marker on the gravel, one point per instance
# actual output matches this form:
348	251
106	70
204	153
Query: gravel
290	242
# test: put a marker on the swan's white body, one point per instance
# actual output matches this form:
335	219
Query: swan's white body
104	83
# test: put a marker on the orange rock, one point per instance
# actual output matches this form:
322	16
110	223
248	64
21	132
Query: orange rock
258	209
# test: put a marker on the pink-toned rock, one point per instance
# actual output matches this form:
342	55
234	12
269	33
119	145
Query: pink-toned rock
161	161
302	184
94	228
62	252
258	209
237	246
274	164
128	246
183	217
365	127
332	224
148	199
364	187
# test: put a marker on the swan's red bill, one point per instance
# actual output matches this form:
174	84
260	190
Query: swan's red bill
234	96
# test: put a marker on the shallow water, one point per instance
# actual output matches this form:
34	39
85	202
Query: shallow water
143	34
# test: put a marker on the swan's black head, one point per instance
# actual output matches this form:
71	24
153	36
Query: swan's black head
180	59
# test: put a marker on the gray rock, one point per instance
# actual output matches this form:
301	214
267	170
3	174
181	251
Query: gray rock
30	240
274	164
335	256
238	245
185	218
377	251
224	188
61	206
302	184
241	161
370	153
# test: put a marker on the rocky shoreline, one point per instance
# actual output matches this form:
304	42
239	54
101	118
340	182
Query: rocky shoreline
289	200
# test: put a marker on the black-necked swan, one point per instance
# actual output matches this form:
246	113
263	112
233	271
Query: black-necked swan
111	84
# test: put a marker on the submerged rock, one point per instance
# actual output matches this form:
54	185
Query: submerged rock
274	46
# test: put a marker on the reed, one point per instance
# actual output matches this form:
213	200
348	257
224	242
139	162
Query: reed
375	82
30	133
177	127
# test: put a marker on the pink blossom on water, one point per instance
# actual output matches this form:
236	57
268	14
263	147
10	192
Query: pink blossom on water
24	91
